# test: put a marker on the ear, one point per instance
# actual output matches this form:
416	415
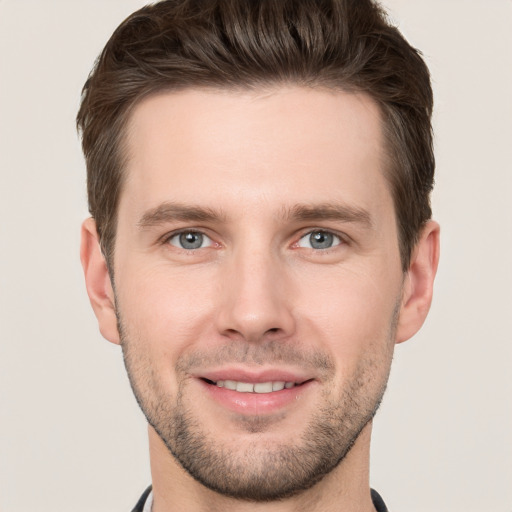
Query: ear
419	283
97	281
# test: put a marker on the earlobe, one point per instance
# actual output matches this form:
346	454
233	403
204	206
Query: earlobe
97	280
419	283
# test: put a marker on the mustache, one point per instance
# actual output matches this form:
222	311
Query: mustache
259	354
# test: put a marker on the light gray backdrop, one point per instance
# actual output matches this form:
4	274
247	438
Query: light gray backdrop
71	436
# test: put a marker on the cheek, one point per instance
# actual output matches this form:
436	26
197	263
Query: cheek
351	312
355	324
166	311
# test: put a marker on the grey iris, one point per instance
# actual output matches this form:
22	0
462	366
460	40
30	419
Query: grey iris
321	240
191	240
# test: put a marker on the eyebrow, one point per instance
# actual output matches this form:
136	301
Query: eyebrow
329	211
171	211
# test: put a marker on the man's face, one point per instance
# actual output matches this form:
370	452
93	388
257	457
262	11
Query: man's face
258	280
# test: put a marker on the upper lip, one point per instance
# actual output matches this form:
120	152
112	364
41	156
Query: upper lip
254	377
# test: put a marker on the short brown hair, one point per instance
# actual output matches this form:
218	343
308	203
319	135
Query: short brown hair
342	44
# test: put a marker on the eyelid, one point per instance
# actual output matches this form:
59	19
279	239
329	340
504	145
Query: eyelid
166	239
343	239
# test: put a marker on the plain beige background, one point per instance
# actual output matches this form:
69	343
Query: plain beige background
71	435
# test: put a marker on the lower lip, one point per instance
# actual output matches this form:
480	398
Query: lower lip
256	403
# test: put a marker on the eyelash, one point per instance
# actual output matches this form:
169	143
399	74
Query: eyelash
342	239
167	239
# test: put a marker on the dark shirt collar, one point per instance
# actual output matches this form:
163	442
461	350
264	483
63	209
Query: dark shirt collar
378	502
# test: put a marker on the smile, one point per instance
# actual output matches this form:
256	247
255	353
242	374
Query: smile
261	394
260	387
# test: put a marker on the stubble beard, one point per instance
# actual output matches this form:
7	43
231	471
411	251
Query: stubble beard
263	471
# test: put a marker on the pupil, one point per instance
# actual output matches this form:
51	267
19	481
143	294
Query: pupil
321	240
191	240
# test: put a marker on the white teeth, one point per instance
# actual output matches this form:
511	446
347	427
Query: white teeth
244	387
277	386
260	387
263	387
230	384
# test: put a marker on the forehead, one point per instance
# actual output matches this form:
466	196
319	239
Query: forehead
267	147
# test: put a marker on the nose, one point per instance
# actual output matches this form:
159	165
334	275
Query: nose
255	302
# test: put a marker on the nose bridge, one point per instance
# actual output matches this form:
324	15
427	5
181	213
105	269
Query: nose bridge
255	302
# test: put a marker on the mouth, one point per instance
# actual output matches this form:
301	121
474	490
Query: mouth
257	387
249	392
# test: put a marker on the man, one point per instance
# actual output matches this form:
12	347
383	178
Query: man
259	176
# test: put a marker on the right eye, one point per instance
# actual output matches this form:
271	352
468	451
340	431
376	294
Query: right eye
190	240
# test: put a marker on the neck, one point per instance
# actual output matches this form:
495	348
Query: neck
345	489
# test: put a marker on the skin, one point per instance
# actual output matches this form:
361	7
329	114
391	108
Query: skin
269	168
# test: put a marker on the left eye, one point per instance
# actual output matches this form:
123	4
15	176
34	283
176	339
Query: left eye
190	240
319	240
